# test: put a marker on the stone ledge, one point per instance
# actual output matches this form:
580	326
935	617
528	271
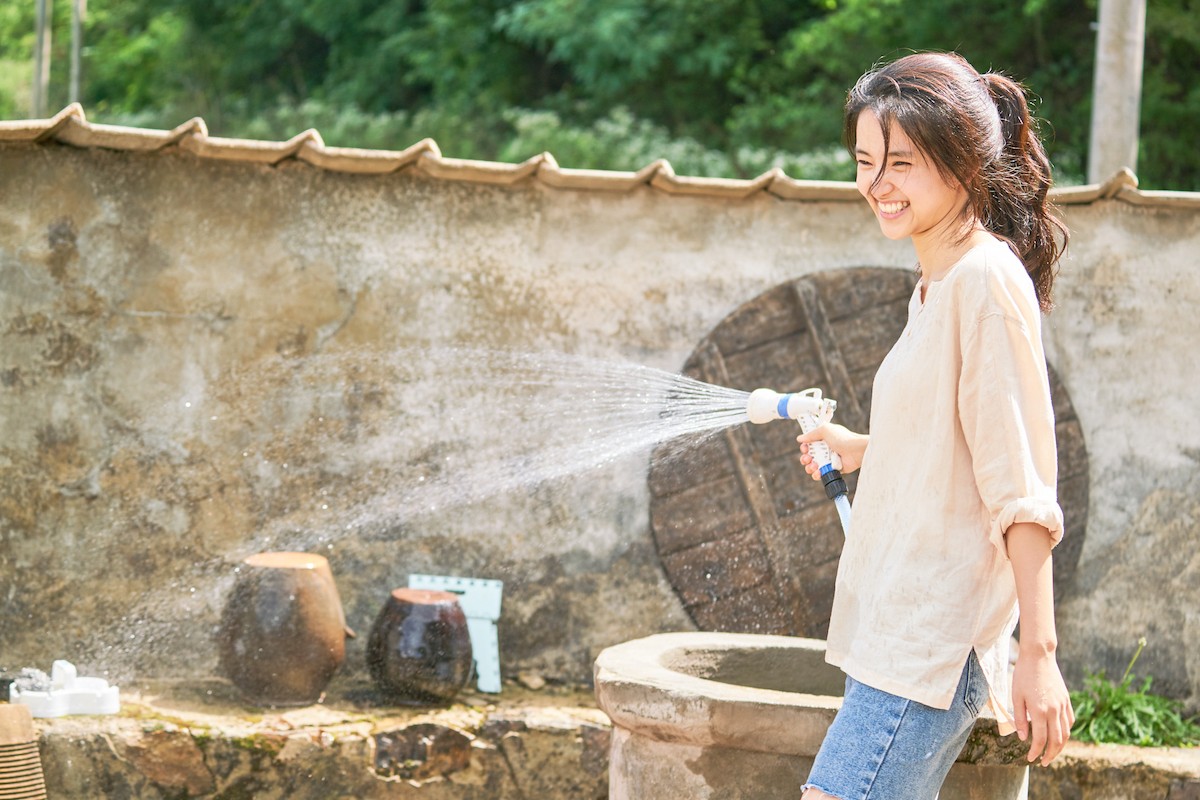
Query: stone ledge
182	742
1118	772
197	741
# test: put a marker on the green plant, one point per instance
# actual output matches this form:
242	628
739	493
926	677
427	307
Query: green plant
1115	713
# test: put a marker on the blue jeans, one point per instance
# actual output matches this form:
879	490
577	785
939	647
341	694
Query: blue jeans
883	746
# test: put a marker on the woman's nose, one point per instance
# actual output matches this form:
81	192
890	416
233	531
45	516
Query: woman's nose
884	186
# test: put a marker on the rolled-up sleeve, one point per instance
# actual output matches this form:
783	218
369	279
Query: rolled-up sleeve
1008	419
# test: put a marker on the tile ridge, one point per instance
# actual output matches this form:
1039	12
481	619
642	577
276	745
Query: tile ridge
254	151
1119	185
435	165
789	188
81	133
551	174
70	126
667	181
364	162
37	130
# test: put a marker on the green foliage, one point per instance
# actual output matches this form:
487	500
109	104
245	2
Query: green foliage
728	87
457	134
1115	713
622	141
617	141
1171	95
136	71
798	93
17	28
15	82
674	62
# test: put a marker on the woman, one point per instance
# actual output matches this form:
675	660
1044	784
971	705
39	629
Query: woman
956	511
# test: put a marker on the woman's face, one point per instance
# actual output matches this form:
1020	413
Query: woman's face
911	198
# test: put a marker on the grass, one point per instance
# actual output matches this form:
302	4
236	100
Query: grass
1116	713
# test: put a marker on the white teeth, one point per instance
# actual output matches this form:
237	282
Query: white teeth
892	208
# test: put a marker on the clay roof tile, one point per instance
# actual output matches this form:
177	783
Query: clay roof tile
250	150
364	162
70	126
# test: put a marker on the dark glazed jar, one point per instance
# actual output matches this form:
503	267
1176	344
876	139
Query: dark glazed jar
420	649
283	632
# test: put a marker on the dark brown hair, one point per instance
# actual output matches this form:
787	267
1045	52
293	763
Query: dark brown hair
978	131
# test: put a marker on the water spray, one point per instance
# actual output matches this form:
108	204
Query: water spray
811	410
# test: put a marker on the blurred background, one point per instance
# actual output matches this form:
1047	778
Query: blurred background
725	88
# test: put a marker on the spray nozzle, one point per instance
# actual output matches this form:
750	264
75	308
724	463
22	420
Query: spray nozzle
766	405
811	410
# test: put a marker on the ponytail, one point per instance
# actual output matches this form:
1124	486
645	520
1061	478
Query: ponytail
1018	183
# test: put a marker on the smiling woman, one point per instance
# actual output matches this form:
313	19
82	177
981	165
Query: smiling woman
942	546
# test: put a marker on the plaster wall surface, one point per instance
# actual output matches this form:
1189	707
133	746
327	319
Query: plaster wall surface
1126	342
201	359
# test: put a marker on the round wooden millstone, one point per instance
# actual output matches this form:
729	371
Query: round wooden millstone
747	540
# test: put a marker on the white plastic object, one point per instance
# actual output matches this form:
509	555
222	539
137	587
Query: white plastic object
808	408
69	694
479	599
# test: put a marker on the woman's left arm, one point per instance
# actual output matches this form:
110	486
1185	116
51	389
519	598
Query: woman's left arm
1041	703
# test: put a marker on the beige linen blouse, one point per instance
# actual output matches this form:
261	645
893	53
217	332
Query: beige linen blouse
962	446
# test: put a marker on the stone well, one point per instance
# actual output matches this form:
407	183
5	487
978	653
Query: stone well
741	716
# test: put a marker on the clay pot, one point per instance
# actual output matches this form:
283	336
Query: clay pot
420	649
283	632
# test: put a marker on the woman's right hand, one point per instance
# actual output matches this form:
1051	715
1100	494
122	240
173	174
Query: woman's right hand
850	446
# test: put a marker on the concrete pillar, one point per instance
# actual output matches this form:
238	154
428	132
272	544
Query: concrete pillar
41	59
78	13
1117	88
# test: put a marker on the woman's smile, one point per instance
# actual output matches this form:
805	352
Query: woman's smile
891	210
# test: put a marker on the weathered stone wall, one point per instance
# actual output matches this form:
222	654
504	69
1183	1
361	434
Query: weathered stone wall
201	359
208	747
1126	346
